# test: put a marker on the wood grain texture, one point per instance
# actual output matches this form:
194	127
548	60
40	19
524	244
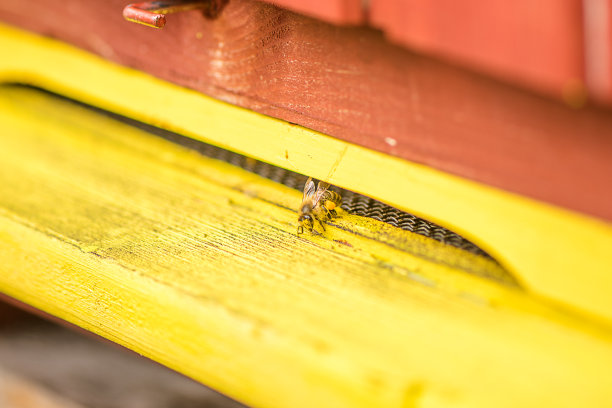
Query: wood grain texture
352	84
196	264
543	246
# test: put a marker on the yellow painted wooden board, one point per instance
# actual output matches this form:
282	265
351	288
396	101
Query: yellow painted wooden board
196	264
561	255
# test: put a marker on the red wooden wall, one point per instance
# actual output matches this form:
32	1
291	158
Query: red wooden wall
333	11
562	48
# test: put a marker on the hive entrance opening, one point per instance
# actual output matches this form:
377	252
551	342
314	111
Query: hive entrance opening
352	203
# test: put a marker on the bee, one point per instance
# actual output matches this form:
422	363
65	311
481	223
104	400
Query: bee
317	205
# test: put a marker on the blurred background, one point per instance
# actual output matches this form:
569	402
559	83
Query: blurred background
46	363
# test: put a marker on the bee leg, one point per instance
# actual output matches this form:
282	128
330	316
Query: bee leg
321	224
328	213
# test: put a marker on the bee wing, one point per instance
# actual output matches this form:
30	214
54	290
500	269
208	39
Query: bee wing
309	188
321	189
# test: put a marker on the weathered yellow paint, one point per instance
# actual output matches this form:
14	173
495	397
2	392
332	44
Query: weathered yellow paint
556	253
196	264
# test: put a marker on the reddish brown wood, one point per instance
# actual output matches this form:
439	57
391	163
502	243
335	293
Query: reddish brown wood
334	11
9	314
534	43
352	84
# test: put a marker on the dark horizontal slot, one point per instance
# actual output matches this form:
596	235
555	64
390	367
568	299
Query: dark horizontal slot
351	202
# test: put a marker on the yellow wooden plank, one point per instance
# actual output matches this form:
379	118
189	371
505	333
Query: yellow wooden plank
556	253
196	264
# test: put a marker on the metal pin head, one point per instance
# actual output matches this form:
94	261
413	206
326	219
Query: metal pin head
153	13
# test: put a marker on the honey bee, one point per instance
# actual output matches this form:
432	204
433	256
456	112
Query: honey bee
317	205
